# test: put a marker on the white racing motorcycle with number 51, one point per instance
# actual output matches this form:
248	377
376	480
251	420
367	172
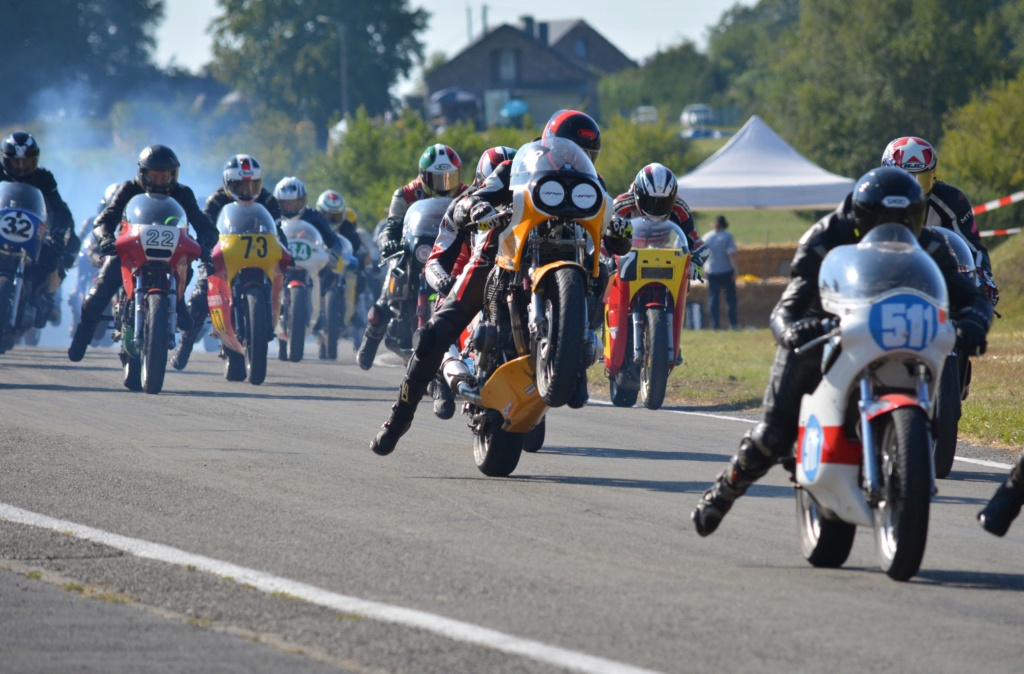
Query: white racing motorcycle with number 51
864	449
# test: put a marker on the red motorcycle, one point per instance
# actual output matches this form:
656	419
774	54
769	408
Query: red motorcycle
155	251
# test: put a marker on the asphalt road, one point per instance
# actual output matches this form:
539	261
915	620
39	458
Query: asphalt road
289	546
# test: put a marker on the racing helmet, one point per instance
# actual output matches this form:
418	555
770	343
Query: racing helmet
915	155
440	169
332	205
490	160
654	189
108	196
576	126
158	169
291	195
243	177
888	194
20	154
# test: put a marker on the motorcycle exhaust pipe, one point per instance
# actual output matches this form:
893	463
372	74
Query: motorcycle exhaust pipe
638	337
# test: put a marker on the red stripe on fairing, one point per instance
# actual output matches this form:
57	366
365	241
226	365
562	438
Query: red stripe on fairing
836	447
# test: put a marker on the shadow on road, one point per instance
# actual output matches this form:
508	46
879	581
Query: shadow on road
677	487
972	580
616	453
62	387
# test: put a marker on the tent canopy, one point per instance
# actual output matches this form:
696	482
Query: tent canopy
757	169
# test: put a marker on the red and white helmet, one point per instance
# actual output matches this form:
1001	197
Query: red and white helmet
243	177
654	189
490	160
914	155
440	169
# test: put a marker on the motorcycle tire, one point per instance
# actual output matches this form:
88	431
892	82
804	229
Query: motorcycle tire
234	366
6	297
654	369
559	353
256	344
132	379
622	397
824	542
497	451
947	413
901	517
298	320
334	313
534	438
154	346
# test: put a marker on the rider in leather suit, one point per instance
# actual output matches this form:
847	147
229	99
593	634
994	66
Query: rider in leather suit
798	316
158	173
466	297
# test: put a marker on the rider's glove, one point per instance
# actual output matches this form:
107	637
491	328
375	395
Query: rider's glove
444	286
482	214
971	328
988	287
333	256
800	332
390	247
107	246
701	255
619	228
695	273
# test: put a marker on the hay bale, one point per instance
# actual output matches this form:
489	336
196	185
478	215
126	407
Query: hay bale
754	301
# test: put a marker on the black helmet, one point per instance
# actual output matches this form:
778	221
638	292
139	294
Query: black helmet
888	194
576	126
21	154
162	160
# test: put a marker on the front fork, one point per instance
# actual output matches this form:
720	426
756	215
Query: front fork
140	311
638	336
19	285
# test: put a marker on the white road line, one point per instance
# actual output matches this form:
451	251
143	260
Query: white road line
978	462
446	627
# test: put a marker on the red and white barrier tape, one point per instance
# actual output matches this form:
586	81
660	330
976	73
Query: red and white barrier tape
999	203
1000	232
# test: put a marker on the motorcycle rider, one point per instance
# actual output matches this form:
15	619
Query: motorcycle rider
158	173
883	195
947	205
440	174
466	296
93	258
20	164
243	181
654	195
332	206
290	193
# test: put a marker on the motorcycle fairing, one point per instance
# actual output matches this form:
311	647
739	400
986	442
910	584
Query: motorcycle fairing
512	390
23	230
138	245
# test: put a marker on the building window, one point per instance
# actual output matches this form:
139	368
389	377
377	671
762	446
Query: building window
505	66
581	48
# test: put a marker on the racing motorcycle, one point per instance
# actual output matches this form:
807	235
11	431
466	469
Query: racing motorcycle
90	260
644	314
301	309
408	293
532	341
338	303
244	291
22	227
956	375
155	251
864	448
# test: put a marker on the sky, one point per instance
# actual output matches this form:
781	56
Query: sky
638	29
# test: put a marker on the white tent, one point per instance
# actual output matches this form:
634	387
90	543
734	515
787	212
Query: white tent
757	169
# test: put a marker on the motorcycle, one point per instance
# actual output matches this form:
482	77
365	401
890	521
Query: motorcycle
644	314
408	293
339	302
301	309
90	260
22	227
956	375
244	291
155	251
532	341
864	447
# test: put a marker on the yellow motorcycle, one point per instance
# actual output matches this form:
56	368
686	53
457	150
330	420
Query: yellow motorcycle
532	342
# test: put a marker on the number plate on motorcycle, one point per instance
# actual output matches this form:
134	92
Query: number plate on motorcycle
904	321
656	272
17	226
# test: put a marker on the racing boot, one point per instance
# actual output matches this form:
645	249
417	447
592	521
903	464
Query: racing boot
444	400
376	326
86	329
748	466
184	350
1004	507
402	412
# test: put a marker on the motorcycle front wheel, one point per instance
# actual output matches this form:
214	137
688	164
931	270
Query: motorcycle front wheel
824	542
298	319
947	416
497	451
154	347
559	352
901	517
334	314
256	344
654	370
534	438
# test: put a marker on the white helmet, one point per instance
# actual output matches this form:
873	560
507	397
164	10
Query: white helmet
654	189
291	195
243	177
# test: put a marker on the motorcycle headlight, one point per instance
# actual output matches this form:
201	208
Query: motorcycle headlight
423	253
584	196
551	193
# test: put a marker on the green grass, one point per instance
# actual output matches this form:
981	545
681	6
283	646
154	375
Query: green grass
757	227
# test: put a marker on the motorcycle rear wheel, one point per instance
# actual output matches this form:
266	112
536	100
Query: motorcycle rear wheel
654	370
234	366
947	416
154	347
298	320
132	374
256	345
533	439
825	543
497	451
334	313
622	397
6	298
559	353
901	517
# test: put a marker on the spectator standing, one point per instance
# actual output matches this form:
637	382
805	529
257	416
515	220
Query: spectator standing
720	271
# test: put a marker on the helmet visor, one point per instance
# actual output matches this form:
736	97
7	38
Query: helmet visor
442	182
159	178
926	180
244	190
291	207
19	167
656	208
333	218
593	155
